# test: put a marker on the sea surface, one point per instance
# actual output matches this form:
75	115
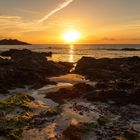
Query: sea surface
72	53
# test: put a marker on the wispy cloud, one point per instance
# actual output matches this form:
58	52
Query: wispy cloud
3	16
118	39
61	6
27	11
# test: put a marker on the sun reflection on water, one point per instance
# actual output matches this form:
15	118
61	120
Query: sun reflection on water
67	54
71	53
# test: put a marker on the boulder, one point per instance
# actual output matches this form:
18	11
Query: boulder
104	92
78	91
17	54
29	68
121	93
109	69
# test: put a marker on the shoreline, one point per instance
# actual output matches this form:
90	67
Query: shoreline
104	103
73	53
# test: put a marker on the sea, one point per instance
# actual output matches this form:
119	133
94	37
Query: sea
72	53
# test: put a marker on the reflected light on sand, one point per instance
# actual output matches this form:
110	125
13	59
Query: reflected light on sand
71	53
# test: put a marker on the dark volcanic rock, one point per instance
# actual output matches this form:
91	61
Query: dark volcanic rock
12	42
109	69
73	133
68	65
122	92
17	54
20	112
78	91
118	78
28	68
78	132
109	91
130	49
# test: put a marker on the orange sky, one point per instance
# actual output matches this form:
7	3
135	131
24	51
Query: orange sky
45	21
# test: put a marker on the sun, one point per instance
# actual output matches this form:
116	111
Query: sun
71	36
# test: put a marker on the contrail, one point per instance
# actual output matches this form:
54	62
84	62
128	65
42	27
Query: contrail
61	6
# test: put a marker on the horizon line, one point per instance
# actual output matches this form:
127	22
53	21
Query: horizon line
86	44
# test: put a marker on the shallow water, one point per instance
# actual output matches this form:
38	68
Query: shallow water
77	111
72	53
70	78
64	81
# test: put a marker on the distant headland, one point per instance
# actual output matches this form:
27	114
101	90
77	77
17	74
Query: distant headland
12	42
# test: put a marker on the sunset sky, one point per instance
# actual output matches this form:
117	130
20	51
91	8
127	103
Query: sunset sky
45	21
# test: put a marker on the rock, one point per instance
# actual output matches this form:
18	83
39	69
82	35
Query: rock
119	138
117	79
78	91
38	121
122	93
78	132
17	54
72	133
30	114
103	120
12	42
131	135
119	92
3	90
136	127
61	95
83	87
68	65
21	100
81	113
2	115
17	111
101	85
28	68
130	49
109	69
125	84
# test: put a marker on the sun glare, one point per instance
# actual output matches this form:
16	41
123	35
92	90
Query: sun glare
71	36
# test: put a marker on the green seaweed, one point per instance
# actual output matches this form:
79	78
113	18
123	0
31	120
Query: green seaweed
11	127
15	115
18	100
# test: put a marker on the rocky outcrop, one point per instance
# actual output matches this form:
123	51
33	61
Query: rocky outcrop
21	111
78	91
78	132
109	69
17	54
118	78
120	92
28	68
130	49
12	42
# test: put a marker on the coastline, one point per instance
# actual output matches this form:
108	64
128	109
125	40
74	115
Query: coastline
103	103
73	53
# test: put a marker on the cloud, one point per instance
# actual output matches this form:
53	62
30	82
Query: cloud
61	6
119	39
3	16
27	11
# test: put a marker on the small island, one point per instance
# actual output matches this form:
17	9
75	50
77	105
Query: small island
12	42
